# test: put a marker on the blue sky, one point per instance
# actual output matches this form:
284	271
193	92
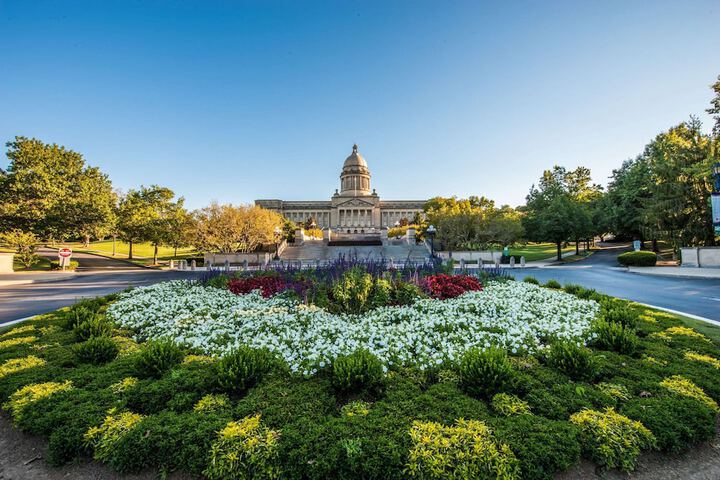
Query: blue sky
232	101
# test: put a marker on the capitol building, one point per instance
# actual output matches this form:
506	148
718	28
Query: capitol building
355	206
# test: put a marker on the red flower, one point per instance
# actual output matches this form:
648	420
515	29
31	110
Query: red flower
442	286
268	285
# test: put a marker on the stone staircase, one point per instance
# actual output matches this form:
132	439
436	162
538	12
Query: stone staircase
317	250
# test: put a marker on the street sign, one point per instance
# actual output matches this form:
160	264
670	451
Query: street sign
65	252
636	245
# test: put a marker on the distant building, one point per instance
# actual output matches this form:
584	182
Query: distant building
355	206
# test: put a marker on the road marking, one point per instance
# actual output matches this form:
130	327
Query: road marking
712	298
13	322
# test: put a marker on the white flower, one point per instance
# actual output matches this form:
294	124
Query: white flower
517	316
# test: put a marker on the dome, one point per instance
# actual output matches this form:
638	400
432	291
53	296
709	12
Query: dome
355	159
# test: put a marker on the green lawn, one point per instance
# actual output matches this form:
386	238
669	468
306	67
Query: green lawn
537	251
142	252
42	265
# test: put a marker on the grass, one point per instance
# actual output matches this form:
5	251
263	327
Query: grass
575	258
538	251
142	252
42	265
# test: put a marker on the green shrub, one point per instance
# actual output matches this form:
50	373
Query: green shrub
405	293
678	423
572	288
96	350
532	280
484	373
615	336
244	450
620	313
466	450
157	357
637	259
242	368
611	439
55	265
573	360
554	284
351	293
95	326
381	293
543	446
358	371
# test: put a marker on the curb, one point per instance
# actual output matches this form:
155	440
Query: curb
10	283
677	312
666	275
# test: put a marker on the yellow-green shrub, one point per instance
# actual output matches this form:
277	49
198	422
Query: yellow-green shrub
668	333
355	409
103	438
244	450
703	358
28	394
680	385
508	405
212	402
611	439
124	385
12	342
197	359
619	392
464	451
18	364
18	330
126	346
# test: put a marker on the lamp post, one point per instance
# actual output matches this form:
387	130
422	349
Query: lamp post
715	198
431	231
277	243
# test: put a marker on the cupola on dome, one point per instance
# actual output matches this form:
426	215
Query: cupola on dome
355	159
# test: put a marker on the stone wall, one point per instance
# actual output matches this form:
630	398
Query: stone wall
708	257
471	256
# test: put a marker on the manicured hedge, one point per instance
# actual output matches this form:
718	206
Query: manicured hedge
637	259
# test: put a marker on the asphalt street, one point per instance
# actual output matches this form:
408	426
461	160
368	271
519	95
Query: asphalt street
600	271
20	301
697	296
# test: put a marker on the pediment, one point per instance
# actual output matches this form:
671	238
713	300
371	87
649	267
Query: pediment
355	202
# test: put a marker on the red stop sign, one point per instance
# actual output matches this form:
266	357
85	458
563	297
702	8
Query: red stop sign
65	252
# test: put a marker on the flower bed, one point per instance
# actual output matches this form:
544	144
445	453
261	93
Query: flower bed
517	316
392	392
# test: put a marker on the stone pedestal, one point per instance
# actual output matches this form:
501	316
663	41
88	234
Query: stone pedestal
410	236
6	262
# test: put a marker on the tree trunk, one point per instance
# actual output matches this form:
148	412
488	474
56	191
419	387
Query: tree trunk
577	247
155	252
559	251
87	241
130	243
655	246
175	251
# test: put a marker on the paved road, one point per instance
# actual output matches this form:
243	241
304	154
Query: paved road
22	301
600	271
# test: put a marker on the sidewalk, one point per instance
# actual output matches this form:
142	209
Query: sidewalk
10	279
689	272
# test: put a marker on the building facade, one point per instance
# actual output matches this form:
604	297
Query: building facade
353	206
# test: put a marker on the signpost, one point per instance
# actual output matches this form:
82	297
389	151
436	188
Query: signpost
636	245
64	255
715	198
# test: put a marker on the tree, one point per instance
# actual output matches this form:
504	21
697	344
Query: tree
680	185
715	108
230	229
627	195
180	226
551	211
48	190
24	244
142	216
